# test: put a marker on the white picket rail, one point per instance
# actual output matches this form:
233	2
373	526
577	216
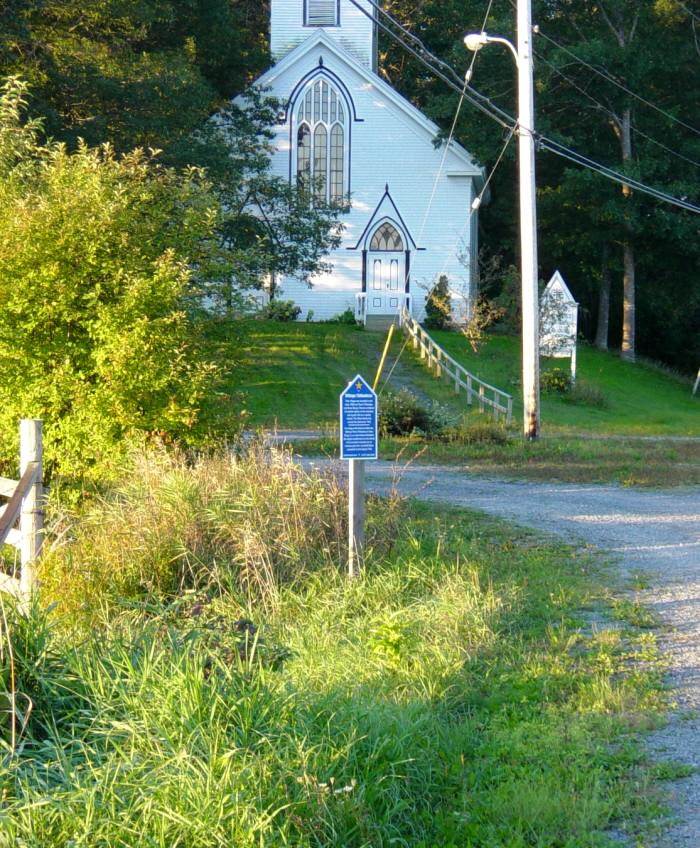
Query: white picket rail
435	357
24	506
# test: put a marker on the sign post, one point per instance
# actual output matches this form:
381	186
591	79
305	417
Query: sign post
358	442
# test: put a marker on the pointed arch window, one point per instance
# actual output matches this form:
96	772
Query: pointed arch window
386	237
320	146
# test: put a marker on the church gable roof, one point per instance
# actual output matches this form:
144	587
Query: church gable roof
462	162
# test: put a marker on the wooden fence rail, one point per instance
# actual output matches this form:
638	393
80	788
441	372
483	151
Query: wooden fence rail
500	402
25	506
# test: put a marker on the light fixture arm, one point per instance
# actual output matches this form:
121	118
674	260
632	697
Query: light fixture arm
476	40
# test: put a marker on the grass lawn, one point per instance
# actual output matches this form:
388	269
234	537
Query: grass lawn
292	374
476	686
640	399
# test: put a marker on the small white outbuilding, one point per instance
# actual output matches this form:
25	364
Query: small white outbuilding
346	128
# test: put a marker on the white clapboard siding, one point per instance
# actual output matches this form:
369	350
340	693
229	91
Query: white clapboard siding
391	146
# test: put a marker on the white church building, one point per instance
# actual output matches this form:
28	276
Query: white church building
345	131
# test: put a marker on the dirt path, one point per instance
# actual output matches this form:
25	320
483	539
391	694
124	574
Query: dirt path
653	532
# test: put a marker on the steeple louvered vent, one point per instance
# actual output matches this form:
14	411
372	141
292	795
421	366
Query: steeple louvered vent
321	13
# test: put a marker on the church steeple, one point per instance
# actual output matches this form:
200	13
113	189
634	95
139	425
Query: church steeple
293	21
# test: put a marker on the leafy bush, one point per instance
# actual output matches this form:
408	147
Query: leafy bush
581	393
438	306
403	414
556	381
281	310
98	334
347	317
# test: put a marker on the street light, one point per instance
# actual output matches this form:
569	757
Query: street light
528	210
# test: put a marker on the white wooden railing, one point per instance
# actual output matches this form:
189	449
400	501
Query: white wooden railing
437	359
24	506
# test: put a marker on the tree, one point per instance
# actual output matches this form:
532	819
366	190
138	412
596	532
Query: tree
133	74
268	228
590	228
99	259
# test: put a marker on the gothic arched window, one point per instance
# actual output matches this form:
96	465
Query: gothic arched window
321	142
386	237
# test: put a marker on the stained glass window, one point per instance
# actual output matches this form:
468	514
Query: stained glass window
386	237
321	142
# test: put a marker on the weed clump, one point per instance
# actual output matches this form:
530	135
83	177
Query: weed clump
248	522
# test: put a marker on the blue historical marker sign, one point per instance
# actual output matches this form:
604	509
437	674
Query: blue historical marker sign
358	421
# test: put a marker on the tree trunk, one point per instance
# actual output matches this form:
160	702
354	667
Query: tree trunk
628	280
601	336
628	302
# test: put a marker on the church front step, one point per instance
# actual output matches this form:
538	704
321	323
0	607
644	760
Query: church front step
380	323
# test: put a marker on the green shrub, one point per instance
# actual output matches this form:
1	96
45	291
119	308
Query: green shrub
438	306
555	381
403	414
281	310
347	317
98	335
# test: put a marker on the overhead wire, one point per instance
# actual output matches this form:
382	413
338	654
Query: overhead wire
607	76
610	112
485	105
687	10
438	175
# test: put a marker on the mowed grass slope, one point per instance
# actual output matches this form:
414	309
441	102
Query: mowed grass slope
292	374
640	398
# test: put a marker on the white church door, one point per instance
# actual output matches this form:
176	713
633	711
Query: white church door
386	271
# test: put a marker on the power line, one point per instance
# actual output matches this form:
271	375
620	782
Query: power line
615	176
607	76
467	78
426	57
497	114
611	113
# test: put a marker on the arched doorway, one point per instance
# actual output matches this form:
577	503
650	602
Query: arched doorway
386	270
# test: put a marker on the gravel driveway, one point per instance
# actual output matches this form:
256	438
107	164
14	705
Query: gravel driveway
654	532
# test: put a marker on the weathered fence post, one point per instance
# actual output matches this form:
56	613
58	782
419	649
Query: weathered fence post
31	522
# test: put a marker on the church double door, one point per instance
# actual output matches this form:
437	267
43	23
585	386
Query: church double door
386	282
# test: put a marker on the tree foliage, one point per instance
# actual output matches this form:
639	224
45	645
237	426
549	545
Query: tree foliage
97	285
134	74
649	47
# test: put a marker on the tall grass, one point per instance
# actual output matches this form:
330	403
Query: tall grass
246	522
238	693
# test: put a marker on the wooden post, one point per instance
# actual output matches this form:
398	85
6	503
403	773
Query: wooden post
469	389
481	398
31	522
356	515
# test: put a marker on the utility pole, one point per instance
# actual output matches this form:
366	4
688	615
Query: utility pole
528	224
528	210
